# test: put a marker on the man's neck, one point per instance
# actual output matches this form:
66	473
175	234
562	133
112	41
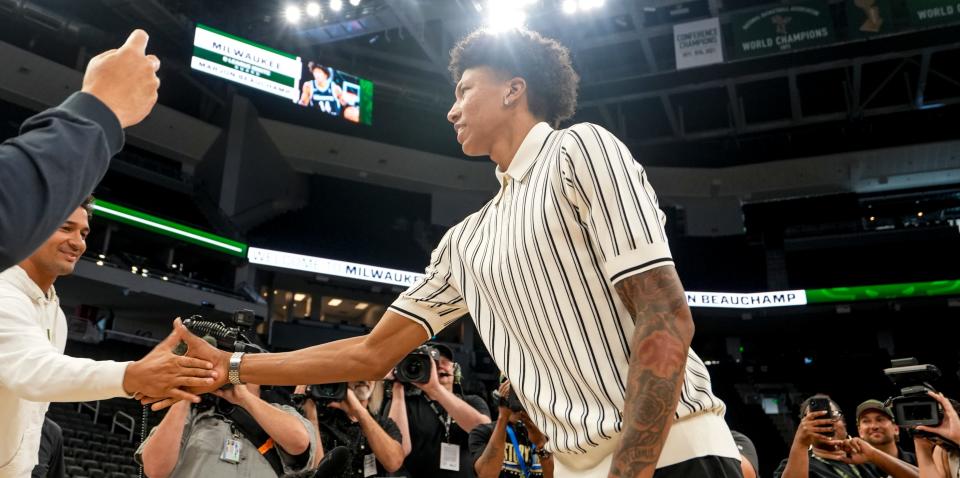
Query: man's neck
44	281
890	449
506	147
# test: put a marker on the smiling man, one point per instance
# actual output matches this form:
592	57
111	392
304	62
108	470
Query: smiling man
875	425
33	335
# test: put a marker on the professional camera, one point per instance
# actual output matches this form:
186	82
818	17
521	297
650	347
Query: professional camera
511	401
415	367
238	338
914	407
327	393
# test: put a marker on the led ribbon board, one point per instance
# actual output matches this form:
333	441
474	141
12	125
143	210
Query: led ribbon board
169	228
885	291
734	300
319	265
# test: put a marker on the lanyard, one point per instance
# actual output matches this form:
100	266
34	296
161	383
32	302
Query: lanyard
836	468
516	448
444	420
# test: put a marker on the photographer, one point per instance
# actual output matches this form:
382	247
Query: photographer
236	434
438	420
523	457
940	460
876	424
822	449
373	441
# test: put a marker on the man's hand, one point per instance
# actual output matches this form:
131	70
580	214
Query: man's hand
125	79
949	428
162	374
350	405
238	395
533	432
857	451
199	349
432	388
812	429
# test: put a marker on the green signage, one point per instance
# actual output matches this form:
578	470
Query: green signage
169	228
869	17
782	28
933	12
886	291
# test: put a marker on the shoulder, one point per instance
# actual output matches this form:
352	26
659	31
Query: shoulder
583	133
478	403
482	431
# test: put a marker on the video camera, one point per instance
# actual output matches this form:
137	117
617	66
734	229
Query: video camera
415	367
327	393
238	338
913	407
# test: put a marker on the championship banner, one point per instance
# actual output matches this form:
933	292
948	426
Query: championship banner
782	28
698	43
933	12
243	61
869	17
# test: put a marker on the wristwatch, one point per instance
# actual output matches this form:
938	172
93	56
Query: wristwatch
233	375
542	454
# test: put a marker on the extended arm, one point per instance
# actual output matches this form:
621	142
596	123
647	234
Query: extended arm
490	462
158	456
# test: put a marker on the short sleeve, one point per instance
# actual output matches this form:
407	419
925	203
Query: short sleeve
391	428
614	202
479	438
477	403
434	301
301	462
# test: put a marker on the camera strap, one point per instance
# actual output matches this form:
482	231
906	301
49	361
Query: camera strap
444	418
516	448
838	470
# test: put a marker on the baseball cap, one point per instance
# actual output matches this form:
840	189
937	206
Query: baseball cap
442	349
873	405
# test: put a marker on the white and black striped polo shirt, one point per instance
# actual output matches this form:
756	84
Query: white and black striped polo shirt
536	268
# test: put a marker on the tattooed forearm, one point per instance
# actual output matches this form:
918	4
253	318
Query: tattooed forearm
664	328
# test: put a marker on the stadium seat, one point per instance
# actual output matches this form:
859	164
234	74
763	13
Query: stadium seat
95	473
88	464
73	470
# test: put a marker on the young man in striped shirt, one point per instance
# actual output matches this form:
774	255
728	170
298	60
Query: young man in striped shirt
567	275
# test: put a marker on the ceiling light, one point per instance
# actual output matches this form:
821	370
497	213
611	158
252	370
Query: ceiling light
313	9
503	16
99	263
292	13
165	278
570	7
361	306
355	3
334	302
336	5
134	269
299	296
102	256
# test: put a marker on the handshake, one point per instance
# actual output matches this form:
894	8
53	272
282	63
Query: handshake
184	366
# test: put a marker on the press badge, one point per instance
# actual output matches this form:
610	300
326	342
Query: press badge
231	450
449	457
369	465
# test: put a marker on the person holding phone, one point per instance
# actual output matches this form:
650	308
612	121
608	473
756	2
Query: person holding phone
822	449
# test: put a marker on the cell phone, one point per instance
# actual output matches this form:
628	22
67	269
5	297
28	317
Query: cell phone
819	405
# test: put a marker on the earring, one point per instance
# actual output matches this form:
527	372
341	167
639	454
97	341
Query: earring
506	102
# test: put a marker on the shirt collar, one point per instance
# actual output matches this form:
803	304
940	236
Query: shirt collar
19	278
527	154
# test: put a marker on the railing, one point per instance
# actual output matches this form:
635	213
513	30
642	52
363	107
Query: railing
119	421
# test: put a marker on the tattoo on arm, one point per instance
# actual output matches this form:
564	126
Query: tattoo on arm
664	328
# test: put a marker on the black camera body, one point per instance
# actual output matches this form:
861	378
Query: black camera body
913	407
236	338
415	367
327	393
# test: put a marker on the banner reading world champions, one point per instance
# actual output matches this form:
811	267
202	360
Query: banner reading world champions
782	28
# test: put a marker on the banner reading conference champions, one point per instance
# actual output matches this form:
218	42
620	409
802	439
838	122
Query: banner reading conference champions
316	86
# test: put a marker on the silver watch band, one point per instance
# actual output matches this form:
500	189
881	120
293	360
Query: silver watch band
233	375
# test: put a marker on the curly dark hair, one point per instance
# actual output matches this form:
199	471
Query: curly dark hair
543	62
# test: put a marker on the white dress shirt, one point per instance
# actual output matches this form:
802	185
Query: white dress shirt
34	371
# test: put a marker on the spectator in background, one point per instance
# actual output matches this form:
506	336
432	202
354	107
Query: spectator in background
50	460
875	424
63	152
438	422
373	441
522	456
822	449
33	336
749	460
246	436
